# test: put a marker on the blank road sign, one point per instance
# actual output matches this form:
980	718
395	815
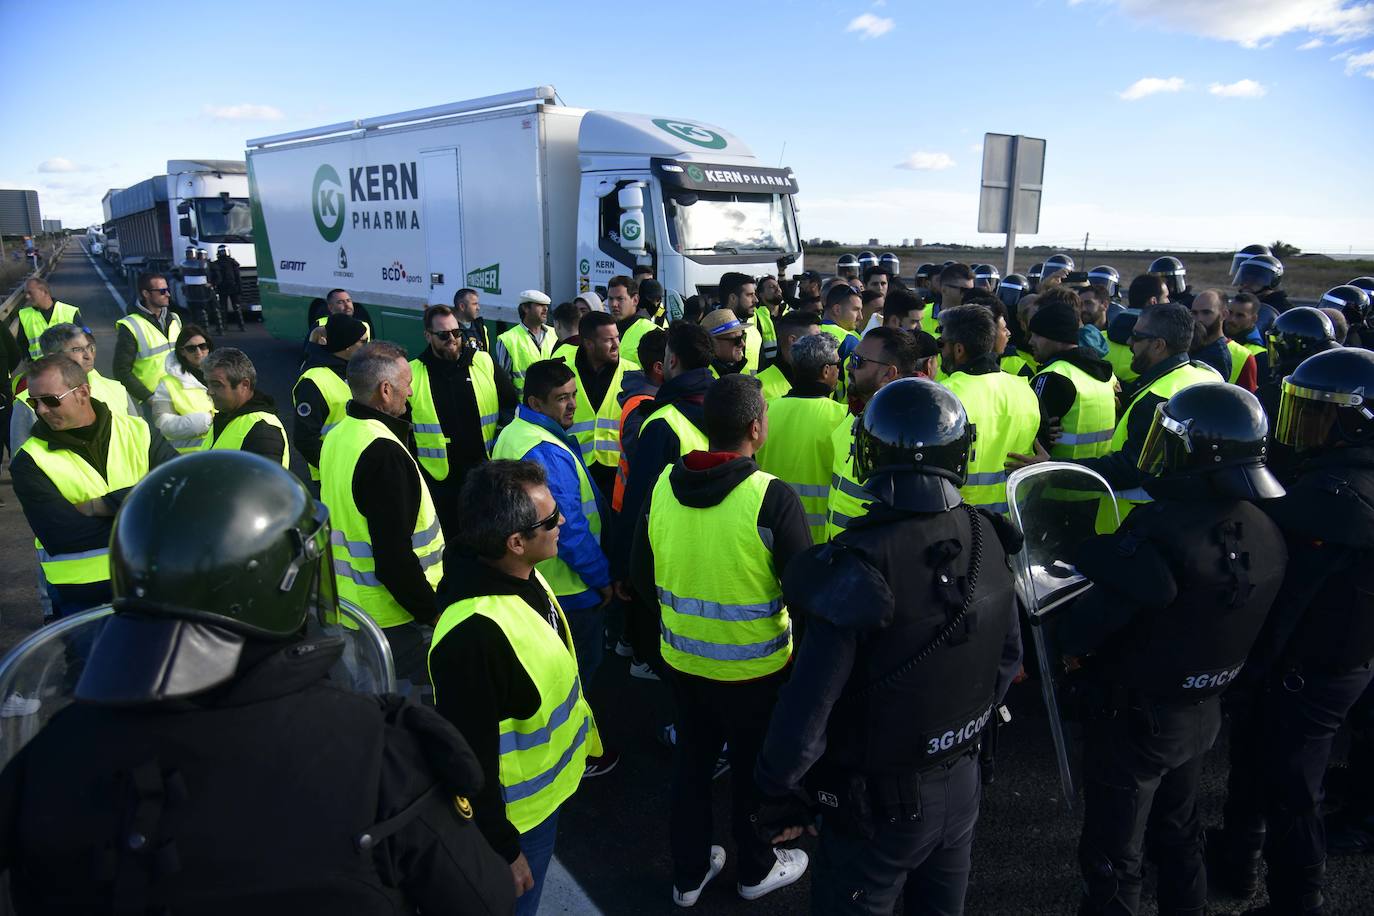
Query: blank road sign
999	151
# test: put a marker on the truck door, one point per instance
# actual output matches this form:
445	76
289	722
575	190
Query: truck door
443	224
601	252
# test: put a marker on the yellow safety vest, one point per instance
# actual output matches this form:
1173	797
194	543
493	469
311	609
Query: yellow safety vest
1166	386
1119	355
430	442
1091	421
34	324
1239	355
515	442
629	341
753	346
929	323
524	353
1006	416
725	624
798	452
188	401
689	438
774	383
769	334
237	429
126	463
541	757
847	499
598	431
355	569
841	335
336	394
1018	364
153	346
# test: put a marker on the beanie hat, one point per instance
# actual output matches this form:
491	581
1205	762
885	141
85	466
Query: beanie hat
651	290
1057	321
342	331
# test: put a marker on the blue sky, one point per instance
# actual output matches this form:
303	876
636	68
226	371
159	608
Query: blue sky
1253	121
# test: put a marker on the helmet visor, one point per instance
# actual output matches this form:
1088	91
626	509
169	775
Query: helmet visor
1260	275
1307	415
1164	442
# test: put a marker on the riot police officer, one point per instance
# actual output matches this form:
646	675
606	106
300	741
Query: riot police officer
1262	275
847	267
200	295
1315	656
1297	334
912	640
210	765
1180	593
1354	305
1175	277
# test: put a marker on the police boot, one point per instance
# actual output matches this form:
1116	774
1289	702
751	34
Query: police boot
1233	861
238	311
1296	892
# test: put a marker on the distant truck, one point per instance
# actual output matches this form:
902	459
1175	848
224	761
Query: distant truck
503	194
199	203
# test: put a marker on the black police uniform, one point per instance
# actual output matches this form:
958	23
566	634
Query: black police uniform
892	726
258	797
1313	661
1180	593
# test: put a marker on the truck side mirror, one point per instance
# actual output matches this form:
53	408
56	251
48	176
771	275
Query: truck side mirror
185	228
183	207
631	200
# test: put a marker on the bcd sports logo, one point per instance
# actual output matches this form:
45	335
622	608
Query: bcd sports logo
327	203
692	133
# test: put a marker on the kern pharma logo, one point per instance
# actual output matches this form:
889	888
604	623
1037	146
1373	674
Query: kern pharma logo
702	137
487	279
327	203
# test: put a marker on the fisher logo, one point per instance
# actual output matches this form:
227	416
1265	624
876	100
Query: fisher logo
292	265
584	267
695	173
630	230
396	273
487	279
343	270
327	203
700	136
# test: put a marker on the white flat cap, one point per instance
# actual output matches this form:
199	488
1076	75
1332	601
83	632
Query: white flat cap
535	296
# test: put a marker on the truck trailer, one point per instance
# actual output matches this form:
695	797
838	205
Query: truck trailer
199	203
502	194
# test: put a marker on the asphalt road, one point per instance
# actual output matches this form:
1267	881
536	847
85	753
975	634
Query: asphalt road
613	833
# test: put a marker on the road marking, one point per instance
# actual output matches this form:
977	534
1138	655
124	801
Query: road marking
562	893
123	306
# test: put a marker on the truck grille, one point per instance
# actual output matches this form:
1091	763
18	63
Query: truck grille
248	287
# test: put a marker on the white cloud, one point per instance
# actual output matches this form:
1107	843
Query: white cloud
1151	85
1252	23
870	26
1240	89
922	161
59	164
244	112
1311	45
1362	64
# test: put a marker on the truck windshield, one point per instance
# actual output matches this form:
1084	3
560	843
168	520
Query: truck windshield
732	223
223	220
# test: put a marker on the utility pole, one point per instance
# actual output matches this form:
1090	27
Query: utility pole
1085	248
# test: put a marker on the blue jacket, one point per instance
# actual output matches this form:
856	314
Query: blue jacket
577	546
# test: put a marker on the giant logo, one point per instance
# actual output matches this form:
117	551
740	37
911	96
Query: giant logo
327	203
692	133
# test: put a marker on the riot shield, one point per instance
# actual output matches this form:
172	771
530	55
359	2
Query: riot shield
1055	506
38	677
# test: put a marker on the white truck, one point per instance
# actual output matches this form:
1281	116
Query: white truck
503	194
200	203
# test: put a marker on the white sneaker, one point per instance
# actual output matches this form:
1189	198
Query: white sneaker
791	865
16	705
624	649
642	671
689	898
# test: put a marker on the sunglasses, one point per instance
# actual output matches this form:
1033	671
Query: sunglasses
1138	338
191	348
858	362
52	401
548	524
733	341
160	291
448	335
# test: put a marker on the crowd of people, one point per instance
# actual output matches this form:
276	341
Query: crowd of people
790	503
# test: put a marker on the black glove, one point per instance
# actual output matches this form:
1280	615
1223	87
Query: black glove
778	812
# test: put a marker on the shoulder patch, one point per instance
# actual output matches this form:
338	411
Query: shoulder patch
303	409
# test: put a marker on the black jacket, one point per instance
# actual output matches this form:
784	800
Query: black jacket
386	490
312	410
55	521
252	798
455	402
126	351
1119	468
263	439
225	275
1056	392
593	383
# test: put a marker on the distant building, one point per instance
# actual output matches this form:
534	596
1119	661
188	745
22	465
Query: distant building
52	225
906	243
918	243
19	213
873	243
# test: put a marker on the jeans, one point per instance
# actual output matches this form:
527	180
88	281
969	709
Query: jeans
410	652
588	635
537	846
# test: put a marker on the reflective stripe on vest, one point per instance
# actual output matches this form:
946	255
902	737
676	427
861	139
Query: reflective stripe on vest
598	431
237	429
153	346
1090	422
354	566
847	499
515	442
34	324
431	445
1006	417
725	624
525	353
798	451
689	438
764	319
541	757
1166	386
126	463
335	392
188	401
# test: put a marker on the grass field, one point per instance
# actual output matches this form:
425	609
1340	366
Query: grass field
1304	277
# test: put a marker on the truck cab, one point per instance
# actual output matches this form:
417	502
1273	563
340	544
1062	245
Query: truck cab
210	198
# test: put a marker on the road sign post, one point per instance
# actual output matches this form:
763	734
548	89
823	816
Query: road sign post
1013	176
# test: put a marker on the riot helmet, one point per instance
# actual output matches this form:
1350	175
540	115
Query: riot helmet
1054	263
986	277
1364	283
1297	334
1260	272
1037	270
1011	289
1171	271
847	267
912	445
1122	325
1352	301
890	263
222	252
867	259
1108	276
925	273
1216	430
1245	254
1328	400
207	551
